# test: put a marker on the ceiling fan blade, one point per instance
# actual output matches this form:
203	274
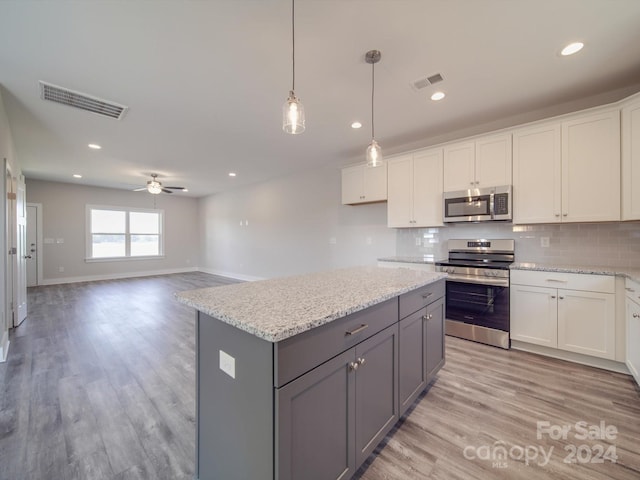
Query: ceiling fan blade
166	191
175	188
139	189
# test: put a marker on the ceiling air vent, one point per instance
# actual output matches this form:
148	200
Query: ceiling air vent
426	81
82	101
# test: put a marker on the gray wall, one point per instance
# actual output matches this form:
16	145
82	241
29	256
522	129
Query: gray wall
613	244
286	226
7	152
64	214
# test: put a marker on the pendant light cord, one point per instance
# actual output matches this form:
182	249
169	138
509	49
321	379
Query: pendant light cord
293	42
373	86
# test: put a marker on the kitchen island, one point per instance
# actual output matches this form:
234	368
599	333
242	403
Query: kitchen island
302	377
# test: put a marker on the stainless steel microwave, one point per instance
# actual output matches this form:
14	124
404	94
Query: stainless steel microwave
478	205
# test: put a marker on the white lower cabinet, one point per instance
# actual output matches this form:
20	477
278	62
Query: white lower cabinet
568	311
633	328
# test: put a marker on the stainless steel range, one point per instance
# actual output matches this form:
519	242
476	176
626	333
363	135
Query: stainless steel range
477	305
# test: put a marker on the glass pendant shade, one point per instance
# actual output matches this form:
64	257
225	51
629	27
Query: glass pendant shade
154	187
293	115
374	154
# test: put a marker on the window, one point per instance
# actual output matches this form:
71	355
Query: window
116	233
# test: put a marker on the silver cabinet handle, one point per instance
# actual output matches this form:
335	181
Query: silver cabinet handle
629	289
355	331
565	214
553	296
424	317
361	361
561	298
27	256
556	280
353	366
635	315
427	295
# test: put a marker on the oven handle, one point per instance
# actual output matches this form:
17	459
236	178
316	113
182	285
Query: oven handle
497	282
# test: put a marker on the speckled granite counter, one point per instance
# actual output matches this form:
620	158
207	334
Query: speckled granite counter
280	308
401	259
632	273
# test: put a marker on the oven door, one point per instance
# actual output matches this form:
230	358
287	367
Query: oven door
478	304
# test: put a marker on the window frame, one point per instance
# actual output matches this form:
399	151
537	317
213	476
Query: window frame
127	234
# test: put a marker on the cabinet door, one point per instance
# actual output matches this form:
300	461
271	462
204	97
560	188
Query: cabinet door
493	161
434	341
591	168
537	177
631	161
353	185
427	188
376	391
413	374
315	422
633	339
534	315
375	183
586	323
400	192
459	166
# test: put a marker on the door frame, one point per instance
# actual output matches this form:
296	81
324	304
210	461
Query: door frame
39	240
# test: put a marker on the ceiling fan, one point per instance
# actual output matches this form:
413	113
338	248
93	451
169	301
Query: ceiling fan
155	187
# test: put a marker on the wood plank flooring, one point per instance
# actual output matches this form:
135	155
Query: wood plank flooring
100	384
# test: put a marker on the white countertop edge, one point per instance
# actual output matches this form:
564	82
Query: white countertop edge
631	273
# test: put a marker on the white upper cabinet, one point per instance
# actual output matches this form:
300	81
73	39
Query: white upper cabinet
591	168
415	190
362	184
631	160
537	180
484	162
568	171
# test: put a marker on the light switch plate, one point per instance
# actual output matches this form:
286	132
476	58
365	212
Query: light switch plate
227	364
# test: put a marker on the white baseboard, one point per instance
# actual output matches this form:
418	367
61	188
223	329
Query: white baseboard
4	346
236	276
603	363
116	276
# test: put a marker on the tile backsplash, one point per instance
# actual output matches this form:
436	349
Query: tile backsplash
615	244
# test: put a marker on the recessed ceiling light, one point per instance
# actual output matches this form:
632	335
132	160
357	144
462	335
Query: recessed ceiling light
572	48
232	174
95	146
356	125
76	175
437	96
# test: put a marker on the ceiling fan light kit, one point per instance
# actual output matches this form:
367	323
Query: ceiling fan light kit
155	187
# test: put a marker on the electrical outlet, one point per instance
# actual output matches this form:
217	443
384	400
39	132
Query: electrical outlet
544	242
227	364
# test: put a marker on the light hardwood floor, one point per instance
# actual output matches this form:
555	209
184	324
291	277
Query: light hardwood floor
100	384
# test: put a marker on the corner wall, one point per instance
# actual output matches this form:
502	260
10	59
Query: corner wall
289	226
64	217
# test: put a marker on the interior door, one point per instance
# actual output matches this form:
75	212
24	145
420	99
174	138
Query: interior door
32	246
20	293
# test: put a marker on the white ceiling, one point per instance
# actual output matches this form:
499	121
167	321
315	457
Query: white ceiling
205	80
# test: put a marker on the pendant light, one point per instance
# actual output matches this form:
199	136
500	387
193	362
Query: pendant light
293	110
374	152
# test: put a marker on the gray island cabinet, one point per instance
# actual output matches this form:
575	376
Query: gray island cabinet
300	378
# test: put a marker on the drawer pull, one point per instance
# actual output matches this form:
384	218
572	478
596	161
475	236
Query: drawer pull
353	366
553	296
635	315
427	295
629	289
355	331
556	280
361	361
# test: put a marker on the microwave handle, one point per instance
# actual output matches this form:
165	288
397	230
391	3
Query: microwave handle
492	210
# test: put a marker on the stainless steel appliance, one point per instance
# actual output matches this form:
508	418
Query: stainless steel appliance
477	302
478	205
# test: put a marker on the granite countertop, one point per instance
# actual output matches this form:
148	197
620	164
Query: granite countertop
426	260
632	273
280	308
